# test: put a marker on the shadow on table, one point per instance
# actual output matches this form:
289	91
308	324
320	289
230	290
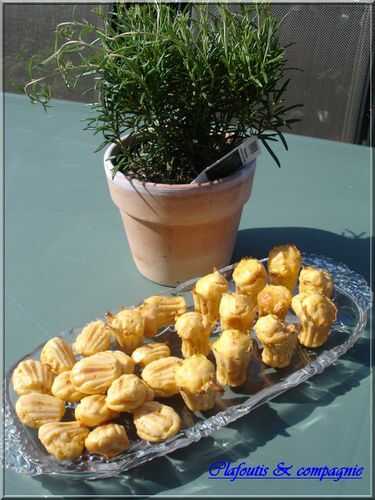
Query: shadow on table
349	248
236	442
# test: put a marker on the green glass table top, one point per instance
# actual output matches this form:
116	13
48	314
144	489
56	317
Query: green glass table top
67	262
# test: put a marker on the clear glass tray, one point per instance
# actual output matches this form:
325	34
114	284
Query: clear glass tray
25	454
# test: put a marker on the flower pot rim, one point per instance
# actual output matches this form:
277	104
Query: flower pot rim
125	181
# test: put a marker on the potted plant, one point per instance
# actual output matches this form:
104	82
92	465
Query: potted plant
176	90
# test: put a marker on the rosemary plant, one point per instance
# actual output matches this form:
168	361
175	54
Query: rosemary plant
187	87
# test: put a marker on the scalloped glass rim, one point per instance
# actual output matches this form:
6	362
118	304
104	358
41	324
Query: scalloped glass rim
23	454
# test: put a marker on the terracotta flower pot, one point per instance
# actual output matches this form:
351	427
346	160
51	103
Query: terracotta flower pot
177	232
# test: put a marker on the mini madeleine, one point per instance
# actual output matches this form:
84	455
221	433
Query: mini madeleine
155	422
93	410
58	355
160	311
108	440
160	375
94	374
128	393
32	376
63	388
148	353
35	409
94	337
63	440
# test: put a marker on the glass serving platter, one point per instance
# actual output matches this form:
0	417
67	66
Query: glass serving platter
352	296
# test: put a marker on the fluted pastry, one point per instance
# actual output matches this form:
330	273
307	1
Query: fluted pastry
94	337
284	264
94	374
237	311
32	376
316	313
127	326
148	353
108	440
159	311
35	409
58	355
93	410
207	295
315	280
196	381
156	422
63	388
279	340
250	277
194	330
274	299
232	353
63	440
160	375
126	362
128	393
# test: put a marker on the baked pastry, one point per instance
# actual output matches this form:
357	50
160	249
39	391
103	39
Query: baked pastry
156	422
148	353
126	362
207	295
94	337
93	410
284	264
160	311
194	330
108	440
127	326
316	313
237	311
35	409
160	375
274	299
63	440
58	355
63	388
94	374
315	280
232	353
250	277
32	376
128	393
279	340
196	381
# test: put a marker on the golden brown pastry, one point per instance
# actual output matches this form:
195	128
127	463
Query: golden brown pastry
126	362
127	326
94	337
207	295
93	410
315	280
274	299
148	353
108	440
58	355
194	330
156	422
196	381
63	440
63	388
94	374
160	376
160	311
32	376
250	277
128	393
35	409
316	313
237	311
232	353
279	340
284	264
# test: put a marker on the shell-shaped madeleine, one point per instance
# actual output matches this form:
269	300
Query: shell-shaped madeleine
63	440
63	388
156	422
93	410
32	376
128	393
126	362
148	353
94	337
160	375
94	374
58	355
35	409
159	311
108	440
